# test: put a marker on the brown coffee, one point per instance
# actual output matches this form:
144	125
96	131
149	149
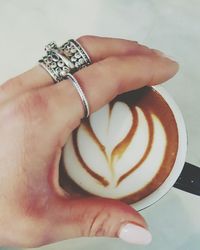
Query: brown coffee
124	151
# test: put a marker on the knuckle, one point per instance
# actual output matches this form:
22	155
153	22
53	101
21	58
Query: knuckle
11	83
113	64
32	106
112	69
3	89
112	60
85	39
145	59
7	87
107	219
146	64
17	80
100	68
106	67
99	224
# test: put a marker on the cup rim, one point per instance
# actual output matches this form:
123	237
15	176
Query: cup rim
180	157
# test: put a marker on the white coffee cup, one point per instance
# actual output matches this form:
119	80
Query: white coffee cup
78	173
180	158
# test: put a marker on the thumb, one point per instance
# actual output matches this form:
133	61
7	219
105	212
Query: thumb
99	217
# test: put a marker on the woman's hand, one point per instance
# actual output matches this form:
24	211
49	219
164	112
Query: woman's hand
36	117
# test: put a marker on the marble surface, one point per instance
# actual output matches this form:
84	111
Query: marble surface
172	26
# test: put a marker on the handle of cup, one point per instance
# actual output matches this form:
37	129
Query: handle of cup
189	179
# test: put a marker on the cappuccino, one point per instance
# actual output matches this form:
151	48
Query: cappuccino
123	151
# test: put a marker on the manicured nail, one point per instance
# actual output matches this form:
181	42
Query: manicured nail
135	234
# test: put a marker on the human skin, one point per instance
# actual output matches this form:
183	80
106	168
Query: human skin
36	118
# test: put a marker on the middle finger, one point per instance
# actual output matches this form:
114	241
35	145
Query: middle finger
98	49
101	82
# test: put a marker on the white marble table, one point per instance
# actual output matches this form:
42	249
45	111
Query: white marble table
172	26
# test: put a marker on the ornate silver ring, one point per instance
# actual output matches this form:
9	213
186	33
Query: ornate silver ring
69	58
76	54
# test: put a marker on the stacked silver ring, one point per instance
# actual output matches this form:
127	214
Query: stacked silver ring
69	58
62	62
77	55
57	65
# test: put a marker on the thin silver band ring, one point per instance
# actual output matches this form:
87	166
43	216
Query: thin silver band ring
81	94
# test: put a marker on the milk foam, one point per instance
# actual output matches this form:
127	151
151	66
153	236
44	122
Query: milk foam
110	128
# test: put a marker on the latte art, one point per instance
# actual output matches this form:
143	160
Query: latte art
122	151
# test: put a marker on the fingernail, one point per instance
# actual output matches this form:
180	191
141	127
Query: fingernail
135	234
160	53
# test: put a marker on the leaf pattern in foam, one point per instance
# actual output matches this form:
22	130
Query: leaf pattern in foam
136	148
92	154
108	129
111	125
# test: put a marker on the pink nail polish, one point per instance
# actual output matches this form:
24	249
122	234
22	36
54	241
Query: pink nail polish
135	234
